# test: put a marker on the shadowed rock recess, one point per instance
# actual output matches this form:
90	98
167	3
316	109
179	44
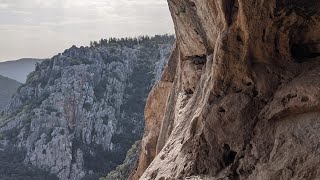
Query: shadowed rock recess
240	96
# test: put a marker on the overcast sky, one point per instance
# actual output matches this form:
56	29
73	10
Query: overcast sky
43	28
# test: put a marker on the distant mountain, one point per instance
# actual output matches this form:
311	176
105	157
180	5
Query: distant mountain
18	69
7	88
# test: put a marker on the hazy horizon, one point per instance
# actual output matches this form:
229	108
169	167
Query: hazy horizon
41	29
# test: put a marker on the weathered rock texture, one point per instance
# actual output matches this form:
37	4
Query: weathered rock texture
80	112
240	96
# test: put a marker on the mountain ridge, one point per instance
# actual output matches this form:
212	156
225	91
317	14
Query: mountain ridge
19	69
8	87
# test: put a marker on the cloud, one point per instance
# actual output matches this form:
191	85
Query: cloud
43	28
3	6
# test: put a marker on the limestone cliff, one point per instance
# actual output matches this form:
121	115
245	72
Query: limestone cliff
80	112
239	98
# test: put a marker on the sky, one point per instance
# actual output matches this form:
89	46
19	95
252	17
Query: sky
43	28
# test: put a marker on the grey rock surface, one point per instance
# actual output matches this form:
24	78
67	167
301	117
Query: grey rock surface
79	112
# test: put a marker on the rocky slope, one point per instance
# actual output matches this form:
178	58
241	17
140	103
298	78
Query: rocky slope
240	96
19	69
7	88
81	111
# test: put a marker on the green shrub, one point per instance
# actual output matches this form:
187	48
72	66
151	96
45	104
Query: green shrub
51	109
75	62
100	89
105	120
123	170
87	106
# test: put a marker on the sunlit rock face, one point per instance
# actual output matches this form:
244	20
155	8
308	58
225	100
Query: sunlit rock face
81	111
240	96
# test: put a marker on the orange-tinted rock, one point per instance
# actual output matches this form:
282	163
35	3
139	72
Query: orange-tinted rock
240	96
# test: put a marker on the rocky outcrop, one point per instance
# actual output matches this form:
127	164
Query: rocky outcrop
239	97
80	112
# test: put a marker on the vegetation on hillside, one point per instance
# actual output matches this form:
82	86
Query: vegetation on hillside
13	168
131	42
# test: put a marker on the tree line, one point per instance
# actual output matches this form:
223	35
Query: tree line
133	41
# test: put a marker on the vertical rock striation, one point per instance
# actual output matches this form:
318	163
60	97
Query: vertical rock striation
239	98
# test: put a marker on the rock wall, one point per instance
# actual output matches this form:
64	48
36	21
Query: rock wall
239	98
80	112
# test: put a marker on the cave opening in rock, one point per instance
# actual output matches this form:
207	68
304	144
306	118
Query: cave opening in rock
189	91
303	52
199	60
228	155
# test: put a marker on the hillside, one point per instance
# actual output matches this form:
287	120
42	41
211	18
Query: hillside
7	88
18	69
239	99
81	111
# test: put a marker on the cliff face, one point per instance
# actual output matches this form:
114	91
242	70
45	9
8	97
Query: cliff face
239	98
80	112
